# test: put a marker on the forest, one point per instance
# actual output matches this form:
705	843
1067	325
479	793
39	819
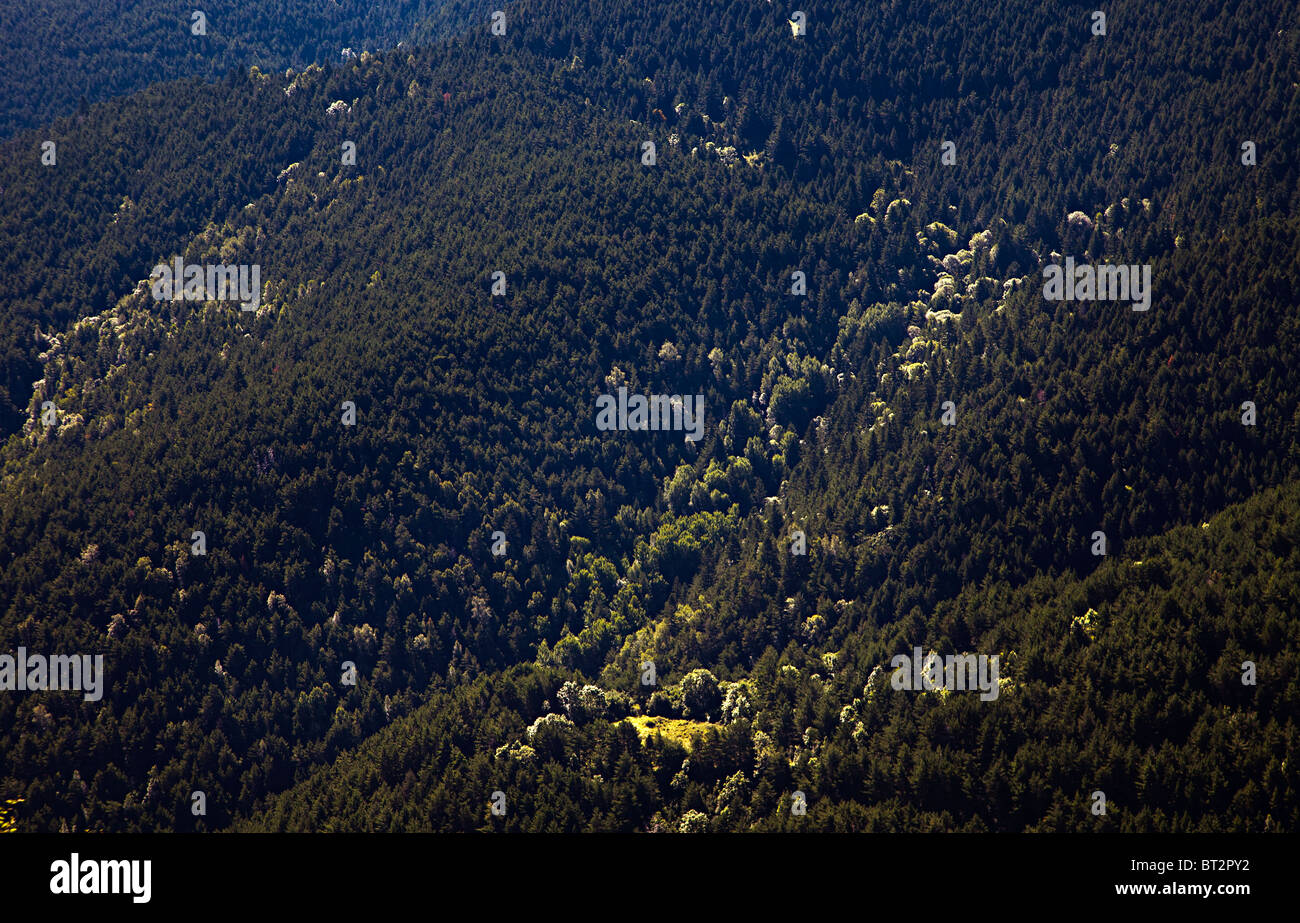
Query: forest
839	242
58	56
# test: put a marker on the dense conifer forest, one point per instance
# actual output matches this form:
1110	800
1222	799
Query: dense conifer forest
429	577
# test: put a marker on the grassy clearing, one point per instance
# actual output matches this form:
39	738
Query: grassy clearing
678	730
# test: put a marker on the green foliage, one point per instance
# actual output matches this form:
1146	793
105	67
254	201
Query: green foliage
475	414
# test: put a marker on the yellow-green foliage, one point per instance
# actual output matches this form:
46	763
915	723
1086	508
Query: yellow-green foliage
7	822
678	730
1089	622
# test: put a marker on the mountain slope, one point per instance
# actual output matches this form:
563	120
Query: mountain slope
1134	671
59	55
476	412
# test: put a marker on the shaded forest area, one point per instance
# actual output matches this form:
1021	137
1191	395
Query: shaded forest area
58	56
521	673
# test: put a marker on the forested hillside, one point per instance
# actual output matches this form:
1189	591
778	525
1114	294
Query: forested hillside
58	55
886	388
1109	669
